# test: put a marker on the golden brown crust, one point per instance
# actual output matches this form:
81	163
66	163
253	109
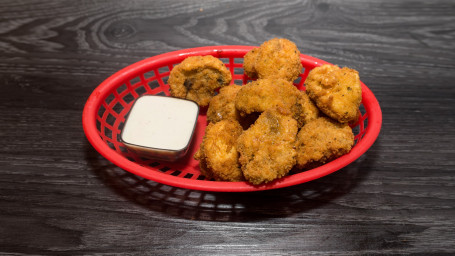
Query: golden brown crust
336	91
267	147
249	61
263	94
196	78
222	106
276	58
321	141
305	110
217	155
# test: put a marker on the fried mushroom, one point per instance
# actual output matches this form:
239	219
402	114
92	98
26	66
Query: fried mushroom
305	110
197	78
263	94
336	91
276	58
322	140
217	155
267	148
222	106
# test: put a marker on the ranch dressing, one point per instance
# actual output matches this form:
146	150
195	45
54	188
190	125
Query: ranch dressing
157	124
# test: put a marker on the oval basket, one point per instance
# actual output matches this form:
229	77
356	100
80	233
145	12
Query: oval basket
105	111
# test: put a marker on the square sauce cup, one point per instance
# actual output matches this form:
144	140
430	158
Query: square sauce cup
160	127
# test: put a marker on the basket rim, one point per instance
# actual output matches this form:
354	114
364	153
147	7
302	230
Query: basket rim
107	86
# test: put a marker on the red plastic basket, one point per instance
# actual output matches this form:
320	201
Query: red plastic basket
105	110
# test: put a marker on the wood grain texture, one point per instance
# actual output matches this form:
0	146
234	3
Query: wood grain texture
58	196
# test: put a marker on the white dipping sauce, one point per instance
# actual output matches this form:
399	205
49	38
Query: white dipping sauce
160	122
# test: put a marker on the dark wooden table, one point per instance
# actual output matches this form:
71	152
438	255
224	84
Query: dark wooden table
59	196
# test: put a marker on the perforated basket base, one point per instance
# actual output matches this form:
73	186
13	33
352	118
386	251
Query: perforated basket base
105	111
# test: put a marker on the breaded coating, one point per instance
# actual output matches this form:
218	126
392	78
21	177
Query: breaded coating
263	94
305	110
276	58
217	155
267	148
196	78
336	91
222	106
322	140
249	60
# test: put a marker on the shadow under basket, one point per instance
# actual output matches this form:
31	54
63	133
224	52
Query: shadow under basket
107	107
